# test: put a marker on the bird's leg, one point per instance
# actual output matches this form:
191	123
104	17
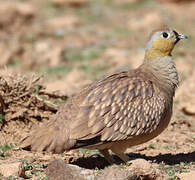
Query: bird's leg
123	157
107	155
119	150
120	153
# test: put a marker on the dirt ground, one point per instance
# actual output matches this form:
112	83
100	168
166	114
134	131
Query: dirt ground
51	49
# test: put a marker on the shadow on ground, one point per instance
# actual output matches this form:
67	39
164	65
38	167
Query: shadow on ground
169	159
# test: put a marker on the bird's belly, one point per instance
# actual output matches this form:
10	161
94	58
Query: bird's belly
136	140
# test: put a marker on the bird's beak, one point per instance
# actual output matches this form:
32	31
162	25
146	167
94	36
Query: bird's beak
179	37
182	36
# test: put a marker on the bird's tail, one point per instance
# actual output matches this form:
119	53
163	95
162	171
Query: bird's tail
52	136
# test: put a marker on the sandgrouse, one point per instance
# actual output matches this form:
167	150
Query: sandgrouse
120	111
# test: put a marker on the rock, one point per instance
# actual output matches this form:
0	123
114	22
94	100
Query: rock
58	170
12	169
116	172
62	21
119	2
15	11
26	9
187	176
72	3
175	1
48	53
54	57
145	169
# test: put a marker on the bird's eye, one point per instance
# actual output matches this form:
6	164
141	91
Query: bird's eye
165	34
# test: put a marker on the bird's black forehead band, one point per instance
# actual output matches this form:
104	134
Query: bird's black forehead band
176	34
177	37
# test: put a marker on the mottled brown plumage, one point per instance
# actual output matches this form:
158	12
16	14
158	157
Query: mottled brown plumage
120	111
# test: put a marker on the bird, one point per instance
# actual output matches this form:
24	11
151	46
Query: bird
117	112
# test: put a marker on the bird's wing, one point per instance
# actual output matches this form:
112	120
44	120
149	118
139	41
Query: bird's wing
111	109
117	108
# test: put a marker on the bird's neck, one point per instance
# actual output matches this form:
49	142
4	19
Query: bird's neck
164	73
153	54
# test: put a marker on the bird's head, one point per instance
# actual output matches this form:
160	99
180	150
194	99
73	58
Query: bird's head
161	43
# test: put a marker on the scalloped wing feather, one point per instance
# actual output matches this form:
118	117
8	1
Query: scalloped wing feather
118	107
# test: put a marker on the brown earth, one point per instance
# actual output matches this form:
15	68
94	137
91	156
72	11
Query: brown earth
51	49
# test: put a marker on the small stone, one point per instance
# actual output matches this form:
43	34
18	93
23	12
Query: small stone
187	176
12	169
58	170
116	172
72	3
175	1
145	169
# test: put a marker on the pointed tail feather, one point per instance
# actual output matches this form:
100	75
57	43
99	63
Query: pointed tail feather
52	136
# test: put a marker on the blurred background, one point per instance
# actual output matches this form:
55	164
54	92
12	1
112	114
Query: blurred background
72	42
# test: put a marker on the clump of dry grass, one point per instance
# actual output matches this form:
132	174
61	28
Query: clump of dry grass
24	98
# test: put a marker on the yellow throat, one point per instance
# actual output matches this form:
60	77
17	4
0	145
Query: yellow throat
160	48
